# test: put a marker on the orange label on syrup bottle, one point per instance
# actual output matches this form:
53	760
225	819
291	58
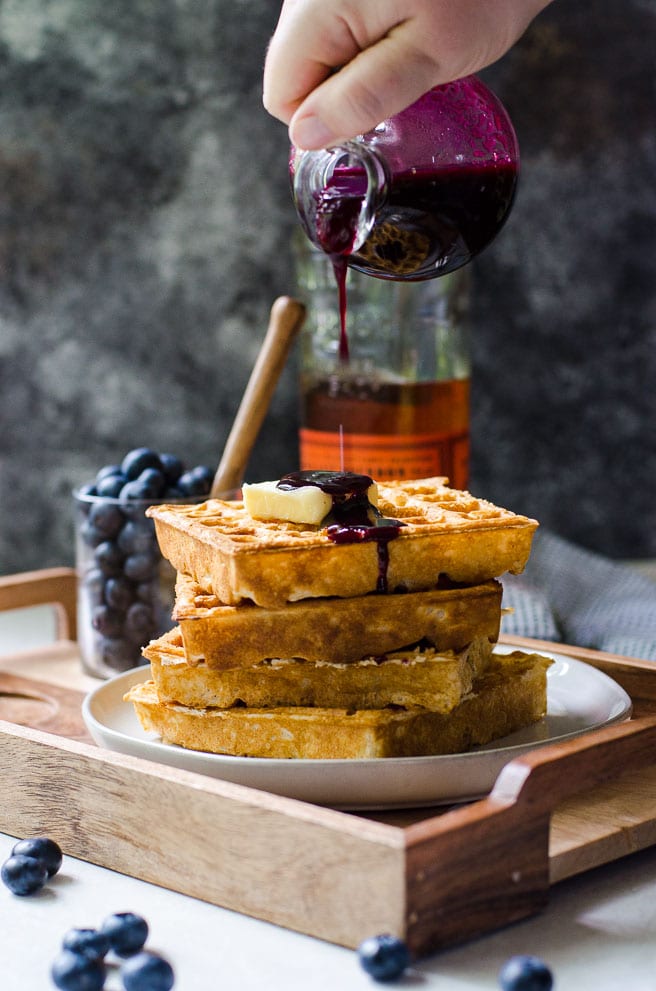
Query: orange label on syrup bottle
387	456
397	431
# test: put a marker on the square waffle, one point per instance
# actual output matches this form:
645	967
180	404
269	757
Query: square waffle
511	694
407	678
334	629
446	533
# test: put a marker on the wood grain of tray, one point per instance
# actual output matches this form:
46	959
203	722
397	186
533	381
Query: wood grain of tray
434	877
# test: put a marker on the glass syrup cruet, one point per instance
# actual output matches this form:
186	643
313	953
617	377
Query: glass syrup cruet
420	194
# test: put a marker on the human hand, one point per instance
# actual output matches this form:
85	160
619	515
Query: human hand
388	52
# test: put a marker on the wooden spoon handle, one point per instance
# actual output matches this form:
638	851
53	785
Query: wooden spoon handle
285	321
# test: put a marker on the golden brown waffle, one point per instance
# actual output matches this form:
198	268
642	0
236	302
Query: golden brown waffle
509	696
447	532
339	630
407	678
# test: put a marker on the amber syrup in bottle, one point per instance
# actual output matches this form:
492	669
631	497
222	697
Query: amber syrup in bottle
395	405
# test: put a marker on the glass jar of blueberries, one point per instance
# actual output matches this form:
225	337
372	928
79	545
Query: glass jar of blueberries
126	589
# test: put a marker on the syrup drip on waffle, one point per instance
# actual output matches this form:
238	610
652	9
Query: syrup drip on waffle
352	518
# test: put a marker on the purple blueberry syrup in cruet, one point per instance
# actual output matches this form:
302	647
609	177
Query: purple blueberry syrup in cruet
416	197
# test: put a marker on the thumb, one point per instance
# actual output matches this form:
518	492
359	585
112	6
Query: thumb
378	83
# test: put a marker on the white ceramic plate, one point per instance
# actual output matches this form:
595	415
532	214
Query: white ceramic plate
579	698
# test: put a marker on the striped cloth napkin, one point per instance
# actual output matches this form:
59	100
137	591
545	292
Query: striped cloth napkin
571	595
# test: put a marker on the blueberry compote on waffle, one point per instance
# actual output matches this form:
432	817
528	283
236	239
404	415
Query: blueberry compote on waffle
352	518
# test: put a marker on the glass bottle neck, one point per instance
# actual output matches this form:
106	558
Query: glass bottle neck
337	193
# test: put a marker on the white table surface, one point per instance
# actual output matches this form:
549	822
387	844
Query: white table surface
597	934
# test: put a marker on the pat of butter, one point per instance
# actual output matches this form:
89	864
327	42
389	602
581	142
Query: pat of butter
307	504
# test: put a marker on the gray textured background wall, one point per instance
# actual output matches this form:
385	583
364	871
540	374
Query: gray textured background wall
145	225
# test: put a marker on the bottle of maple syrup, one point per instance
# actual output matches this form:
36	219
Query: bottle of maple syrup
399	406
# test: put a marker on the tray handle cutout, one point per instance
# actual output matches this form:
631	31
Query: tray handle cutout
51	586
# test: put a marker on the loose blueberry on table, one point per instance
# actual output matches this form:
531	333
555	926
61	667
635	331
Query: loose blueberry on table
41	848
78	972
384	957
525	973
91	942
31	863
126	933
120	583
147	972
23	875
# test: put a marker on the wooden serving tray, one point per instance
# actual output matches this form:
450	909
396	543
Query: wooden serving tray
433	877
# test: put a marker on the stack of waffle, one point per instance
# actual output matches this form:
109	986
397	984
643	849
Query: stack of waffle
291	645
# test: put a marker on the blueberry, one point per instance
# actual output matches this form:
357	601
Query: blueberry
140	567
172	467
107	621
137	460
172	493
131	490
148	486
108	557
148	592
41	848
139	623
107	470
193	483
525	973
132	507
90	535
137	535
118	654
126	933
106	518
110	486
152	483
78	972
203	474
23	875
119	593
147	972
91	942
384	957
